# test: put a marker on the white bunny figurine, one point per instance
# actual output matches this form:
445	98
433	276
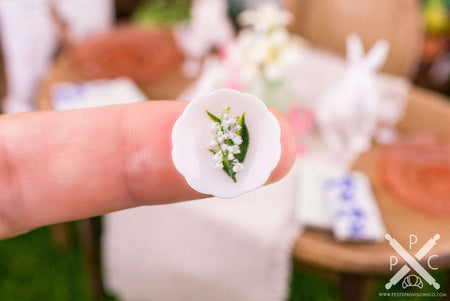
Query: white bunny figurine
347	113
208	28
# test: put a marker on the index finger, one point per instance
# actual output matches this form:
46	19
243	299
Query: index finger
61	166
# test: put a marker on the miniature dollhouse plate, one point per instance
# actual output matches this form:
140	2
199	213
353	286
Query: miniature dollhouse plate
226	143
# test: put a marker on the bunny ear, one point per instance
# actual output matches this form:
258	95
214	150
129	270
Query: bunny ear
355	48
377	56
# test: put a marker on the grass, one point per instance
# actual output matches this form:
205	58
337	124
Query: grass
306	286
32	269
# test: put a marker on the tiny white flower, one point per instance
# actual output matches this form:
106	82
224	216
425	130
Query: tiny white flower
224	147
219	164
238	167
213	142
220	138
266	17
217	157
273	72
226	136
230	156
234	149
215	128
237	140
225	124
235	128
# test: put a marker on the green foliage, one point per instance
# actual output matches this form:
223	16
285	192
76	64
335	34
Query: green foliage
162	12
32	269
243	132
228	170
213	117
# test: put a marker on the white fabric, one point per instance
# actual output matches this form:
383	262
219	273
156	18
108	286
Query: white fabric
97	93
211	249
28	38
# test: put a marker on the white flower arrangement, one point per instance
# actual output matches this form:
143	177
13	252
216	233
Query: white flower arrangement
265	48
239	164
259	60
230	142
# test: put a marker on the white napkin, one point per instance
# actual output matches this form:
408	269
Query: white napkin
210	249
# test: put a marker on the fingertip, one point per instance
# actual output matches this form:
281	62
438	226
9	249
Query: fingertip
287	157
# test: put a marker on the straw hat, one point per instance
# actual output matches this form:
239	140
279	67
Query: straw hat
326	23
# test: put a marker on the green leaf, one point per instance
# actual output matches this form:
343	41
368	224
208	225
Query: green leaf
243	132
228	170
233	176
213	117
214	151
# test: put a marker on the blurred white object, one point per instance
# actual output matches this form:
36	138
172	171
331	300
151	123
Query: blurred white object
355	214
211	249
351	109
440	69
256	3
208	28
318	70
84	17
28	38
331	197
212	77
266	17
68	96
312	209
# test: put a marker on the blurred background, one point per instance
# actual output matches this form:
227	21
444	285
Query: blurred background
312	61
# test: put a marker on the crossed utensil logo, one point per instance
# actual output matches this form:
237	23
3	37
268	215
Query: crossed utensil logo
411	262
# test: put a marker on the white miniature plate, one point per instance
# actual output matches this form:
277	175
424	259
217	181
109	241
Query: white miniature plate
192	136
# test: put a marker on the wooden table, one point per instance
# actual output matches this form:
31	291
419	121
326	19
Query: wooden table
354	263
357	263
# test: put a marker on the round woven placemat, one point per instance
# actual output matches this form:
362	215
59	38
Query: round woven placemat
139	53
417	171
